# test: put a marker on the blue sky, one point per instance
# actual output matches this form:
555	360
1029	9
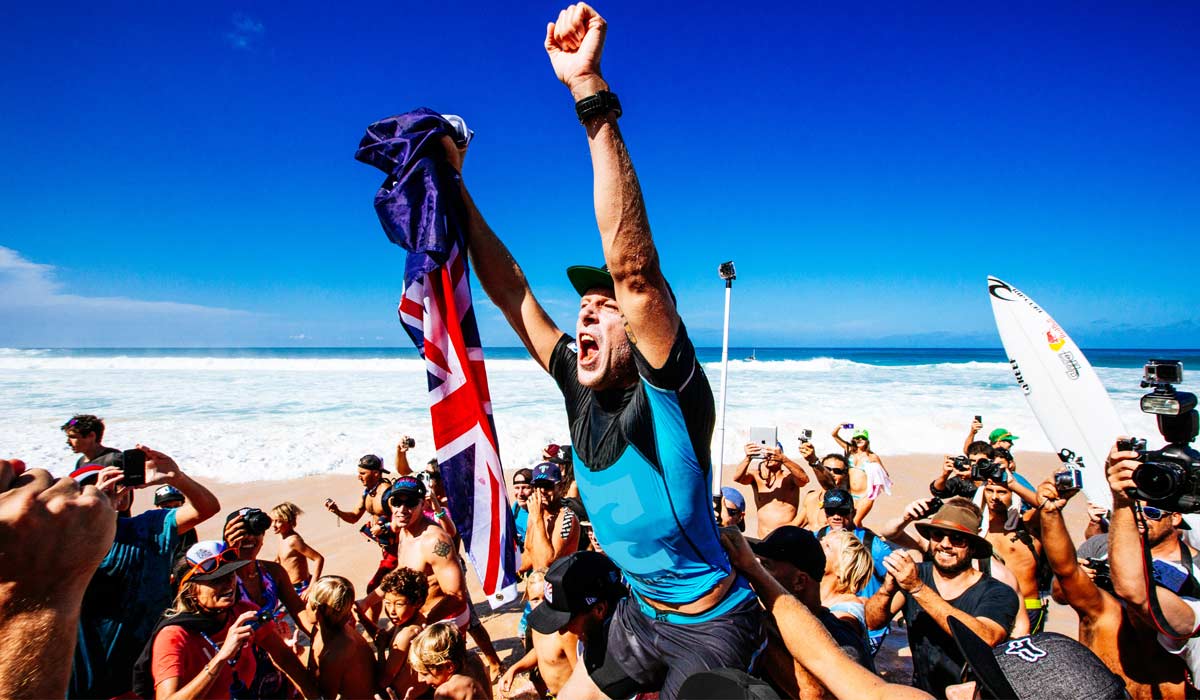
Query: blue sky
183	174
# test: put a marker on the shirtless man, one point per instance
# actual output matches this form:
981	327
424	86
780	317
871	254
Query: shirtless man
776	490
552	531
425	547
1125	642
370	475
835	473
582	590
1019	549
294	552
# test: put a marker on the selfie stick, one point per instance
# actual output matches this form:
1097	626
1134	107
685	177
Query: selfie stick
729	275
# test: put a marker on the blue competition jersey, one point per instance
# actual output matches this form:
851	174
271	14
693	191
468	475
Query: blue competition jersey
646	476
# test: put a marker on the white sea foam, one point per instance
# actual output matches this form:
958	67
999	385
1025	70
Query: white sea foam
254	418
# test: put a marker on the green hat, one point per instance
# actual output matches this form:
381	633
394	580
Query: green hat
585	277
1001	434
860	433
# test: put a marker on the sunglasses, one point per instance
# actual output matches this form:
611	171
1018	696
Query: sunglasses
836	471
830	512
1155	513
211	564
957	539
409	500
545	485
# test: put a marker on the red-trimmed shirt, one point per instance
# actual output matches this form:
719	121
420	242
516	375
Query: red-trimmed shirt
182	654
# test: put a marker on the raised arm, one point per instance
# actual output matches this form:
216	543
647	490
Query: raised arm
200	503
574	44
797	471
402	466
1082	594
442	556
741	473
1126	563
976	426
895	531
504	281
805	637
837	437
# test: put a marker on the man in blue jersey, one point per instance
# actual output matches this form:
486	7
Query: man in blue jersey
640	410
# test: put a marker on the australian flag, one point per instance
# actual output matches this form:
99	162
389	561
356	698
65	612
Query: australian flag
421	208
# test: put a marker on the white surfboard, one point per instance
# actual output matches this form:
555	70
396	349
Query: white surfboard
1060	385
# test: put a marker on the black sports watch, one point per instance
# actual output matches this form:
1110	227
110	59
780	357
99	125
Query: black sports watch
602	102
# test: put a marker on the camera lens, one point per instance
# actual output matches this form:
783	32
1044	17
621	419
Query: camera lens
1157	480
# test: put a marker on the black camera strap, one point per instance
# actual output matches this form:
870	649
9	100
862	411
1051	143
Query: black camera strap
1156	613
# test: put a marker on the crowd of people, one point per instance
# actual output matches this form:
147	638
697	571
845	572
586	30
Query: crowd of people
637	581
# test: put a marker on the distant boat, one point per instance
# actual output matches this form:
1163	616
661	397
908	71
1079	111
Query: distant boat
753	356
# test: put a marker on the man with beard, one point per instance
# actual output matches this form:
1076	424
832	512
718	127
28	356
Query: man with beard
1123	640
1019	549
933	592
640	410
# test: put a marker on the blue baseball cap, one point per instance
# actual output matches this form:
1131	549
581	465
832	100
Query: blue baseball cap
547	471
734	496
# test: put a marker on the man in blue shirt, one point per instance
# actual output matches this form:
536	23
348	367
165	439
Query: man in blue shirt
839	515
522	487
640	410
132	586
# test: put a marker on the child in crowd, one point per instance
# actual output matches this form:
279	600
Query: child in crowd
439	657
294	553
343	663
404	593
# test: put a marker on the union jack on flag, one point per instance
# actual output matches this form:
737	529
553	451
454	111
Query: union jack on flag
421	208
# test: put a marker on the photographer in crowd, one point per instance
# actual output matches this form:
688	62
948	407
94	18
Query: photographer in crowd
775	480
1121	638
1180	614
44	578
132	585
947	586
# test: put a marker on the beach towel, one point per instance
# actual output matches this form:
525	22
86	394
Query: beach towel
421	208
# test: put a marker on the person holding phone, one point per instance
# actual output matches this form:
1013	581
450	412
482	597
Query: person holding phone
132	586
776	481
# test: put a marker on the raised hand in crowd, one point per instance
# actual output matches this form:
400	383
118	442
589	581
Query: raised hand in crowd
804	635
47	566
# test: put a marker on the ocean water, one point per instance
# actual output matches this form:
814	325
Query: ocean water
253	414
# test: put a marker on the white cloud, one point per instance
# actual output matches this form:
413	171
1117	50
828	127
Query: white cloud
28	285
245	33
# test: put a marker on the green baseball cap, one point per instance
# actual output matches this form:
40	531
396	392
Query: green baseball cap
1001	434
860	433
585	277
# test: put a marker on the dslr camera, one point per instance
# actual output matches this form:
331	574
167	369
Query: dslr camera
985	470
1103	577
1168	478
257	522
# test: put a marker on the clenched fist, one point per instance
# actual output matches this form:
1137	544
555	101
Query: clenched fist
574	43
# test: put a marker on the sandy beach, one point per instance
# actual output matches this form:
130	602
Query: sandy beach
349	554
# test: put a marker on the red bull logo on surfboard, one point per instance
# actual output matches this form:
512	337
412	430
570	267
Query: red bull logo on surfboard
1056	337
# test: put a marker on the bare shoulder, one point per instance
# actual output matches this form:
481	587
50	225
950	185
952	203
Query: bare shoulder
437	542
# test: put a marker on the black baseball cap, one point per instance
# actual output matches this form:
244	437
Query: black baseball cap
794	545
405	484
372	462
573	585
1044	665
838	499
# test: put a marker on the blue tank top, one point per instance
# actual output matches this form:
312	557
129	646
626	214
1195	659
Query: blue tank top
646	476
